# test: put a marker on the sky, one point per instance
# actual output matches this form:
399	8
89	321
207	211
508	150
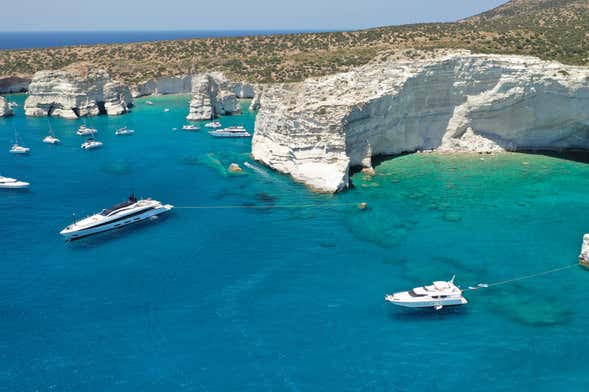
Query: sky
39	15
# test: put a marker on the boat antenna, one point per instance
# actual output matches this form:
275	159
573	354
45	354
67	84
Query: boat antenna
452	280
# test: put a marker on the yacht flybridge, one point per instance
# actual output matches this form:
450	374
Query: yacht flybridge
437	295
12	183
123	214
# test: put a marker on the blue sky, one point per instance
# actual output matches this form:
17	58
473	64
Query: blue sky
230	14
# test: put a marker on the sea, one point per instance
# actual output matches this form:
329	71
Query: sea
254	283
47	39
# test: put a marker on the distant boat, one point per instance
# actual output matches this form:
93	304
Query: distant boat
148	103
12	183
17	149
166	110
12	104
190	127
84	131
91	144
50	139
214	124
230	132
124	131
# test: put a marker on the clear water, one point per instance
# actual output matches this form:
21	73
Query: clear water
283	298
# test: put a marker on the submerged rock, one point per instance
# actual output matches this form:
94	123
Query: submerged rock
234	168
71	95
317	129
5	109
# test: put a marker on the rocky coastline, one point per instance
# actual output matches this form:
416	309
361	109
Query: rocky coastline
318	129
71	95
5	109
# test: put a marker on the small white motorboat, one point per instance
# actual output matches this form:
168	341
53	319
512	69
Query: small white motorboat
85	131
437	295
12	104
17	149
148	103
230	132
124	131
190	127
91	144
12	183
50	139
213	124
166	110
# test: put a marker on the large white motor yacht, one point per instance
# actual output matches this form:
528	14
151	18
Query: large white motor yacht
123	214
17	149
213	124
85	131
12	183
91	144
230	132
436	296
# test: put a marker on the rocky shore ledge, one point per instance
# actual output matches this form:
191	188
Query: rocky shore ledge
72	95
318	129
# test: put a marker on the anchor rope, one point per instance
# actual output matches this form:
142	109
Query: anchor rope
212	207
524	277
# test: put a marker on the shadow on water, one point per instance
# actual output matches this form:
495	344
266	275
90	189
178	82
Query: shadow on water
581	156
425	314
116	234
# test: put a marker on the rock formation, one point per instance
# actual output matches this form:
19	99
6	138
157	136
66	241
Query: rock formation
584	256
187	84
70	95
5	109
212	96
317	129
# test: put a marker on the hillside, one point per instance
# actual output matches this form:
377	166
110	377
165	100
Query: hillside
549	29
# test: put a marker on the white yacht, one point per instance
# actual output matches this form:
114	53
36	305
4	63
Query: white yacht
437	295
50	139
85	131
214	124
91	144
124	131
18	149
190	127
123	214
12	104
230	132
12	183
166	110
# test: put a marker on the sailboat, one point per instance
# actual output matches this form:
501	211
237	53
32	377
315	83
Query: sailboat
17	148
51	139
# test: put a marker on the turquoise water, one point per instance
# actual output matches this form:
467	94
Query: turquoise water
283	298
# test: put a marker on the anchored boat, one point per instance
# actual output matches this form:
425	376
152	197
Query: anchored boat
123	214
12	183
437	295
230	132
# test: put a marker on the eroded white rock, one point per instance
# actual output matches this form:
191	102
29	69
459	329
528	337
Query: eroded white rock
5	109
317	129
68	95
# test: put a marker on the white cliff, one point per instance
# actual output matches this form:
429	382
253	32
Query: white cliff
212	95
13	84
317	129
584	255
69	95
5	109
187	84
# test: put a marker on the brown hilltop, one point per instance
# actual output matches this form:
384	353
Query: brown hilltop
549	29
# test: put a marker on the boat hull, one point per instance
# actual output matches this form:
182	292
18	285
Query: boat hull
431	303
74	235
15	185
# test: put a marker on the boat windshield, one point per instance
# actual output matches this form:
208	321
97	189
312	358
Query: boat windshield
108	211
414	294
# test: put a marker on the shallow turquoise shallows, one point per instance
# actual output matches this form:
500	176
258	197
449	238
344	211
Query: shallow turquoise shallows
283	299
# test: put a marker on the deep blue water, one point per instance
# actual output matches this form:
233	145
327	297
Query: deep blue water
283	298
45	39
